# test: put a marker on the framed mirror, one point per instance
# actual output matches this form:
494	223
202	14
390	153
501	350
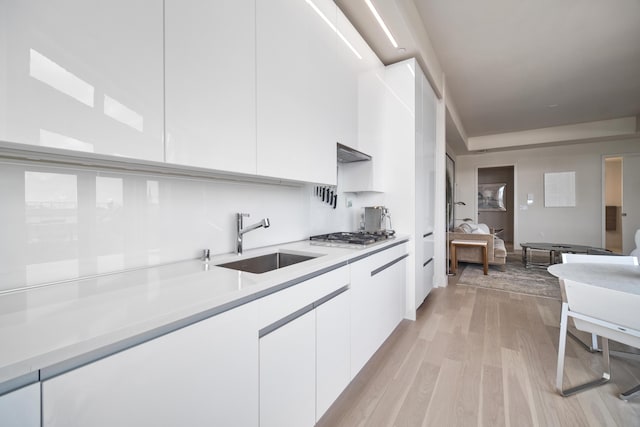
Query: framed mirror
491	197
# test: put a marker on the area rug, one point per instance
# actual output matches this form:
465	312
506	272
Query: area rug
515	278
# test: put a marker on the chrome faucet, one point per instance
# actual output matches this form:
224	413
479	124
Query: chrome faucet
242	230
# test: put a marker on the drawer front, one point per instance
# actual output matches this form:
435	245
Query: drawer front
282	303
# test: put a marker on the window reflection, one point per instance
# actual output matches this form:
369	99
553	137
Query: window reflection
51	214
109	223
56	140
49	72
122	113
153	192
154	222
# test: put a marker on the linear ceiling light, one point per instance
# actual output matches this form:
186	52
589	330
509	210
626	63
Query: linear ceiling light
381	22
333	27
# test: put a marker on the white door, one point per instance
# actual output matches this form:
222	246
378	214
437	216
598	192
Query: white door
630	200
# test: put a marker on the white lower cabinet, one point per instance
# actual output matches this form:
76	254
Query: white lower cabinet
287	374
203	374
333	351
21	408
377	285
304	355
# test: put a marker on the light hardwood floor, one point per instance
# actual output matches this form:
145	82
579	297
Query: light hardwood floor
478	357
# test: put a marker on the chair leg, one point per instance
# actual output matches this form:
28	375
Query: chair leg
594	342
606	375
629	394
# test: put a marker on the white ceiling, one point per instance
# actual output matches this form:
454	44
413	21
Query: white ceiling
512	66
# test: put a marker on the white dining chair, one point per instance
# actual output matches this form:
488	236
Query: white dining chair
636	251
605	259
609	313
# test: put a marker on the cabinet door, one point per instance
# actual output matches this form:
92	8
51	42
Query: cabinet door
83	75
287	374
377	302
332	351
203	374
390	303
296	90
211	84
21	408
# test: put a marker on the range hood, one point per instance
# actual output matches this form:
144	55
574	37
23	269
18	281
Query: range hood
350	155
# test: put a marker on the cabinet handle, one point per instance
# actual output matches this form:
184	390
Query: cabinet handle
428	261
299	313
384	267
427	235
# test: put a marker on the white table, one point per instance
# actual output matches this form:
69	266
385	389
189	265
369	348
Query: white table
623	278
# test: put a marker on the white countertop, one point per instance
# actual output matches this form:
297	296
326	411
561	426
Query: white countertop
49	326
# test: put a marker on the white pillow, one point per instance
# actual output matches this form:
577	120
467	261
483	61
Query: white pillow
465	227
482	229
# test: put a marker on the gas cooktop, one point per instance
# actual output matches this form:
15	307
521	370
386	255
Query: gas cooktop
351	239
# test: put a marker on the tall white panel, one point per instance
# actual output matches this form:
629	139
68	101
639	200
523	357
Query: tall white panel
211	84
296	60
83	75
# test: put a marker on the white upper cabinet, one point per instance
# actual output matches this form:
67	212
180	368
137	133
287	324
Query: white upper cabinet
296	86
83	75
211	84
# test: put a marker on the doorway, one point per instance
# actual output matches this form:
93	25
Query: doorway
613	204
500	218
621	202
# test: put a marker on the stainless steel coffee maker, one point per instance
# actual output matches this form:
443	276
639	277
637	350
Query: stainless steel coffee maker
376	219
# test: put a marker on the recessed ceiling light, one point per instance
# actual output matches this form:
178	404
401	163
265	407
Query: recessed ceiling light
552	105
401	50
381	22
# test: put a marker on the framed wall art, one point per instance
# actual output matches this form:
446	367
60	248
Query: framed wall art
559	189
491	197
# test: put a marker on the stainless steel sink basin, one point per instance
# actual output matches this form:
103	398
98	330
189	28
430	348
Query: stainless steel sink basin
269	262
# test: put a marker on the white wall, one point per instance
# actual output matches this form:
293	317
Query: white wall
582	224
65	222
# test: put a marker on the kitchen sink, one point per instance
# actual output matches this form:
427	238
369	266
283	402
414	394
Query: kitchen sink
268	262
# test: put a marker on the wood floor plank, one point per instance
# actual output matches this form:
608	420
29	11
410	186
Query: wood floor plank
491	405
429	329
491	354
414	407
468	395
519	403
479	313
396	390
441	409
